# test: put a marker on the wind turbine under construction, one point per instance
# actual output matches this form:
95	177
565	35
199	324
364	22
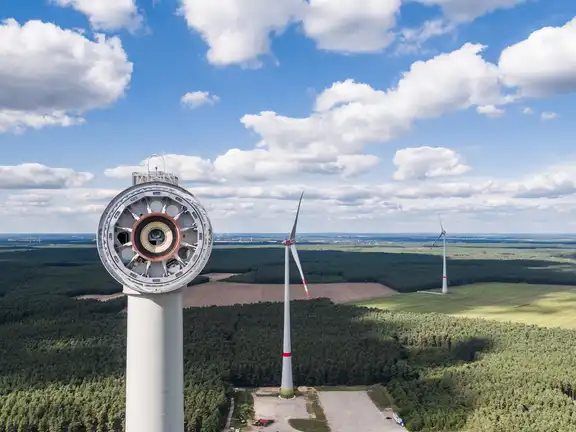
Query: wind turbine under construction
443	237
287	386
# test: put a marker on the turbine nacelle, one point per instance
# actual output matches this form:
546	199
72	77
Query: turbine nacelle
442	232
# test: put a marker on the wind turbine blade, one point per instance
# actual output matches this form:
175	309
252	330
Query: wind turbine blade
295	255
436	241
293	232
441	225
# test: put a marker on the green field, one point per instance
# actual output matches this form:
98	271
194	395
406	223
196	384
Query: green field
543	305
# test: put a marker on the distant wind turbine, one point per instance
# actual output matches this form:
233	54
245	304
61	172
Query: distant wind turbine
287	385
443	237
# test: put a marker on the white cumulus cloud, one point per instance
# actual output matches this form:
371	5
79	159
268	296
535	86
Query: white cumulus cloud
351	115
260	164
38	176
412	39
490	110
28	200
198	98
344	92
544	64
513	204
351	25
51	76
468	10
548	115
427	162
239	32
252	165
107	14
347	117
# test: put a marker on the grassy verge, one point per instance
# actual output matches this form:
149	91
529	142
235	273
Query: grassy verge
243	409
309	425
380	396
314	408
341	388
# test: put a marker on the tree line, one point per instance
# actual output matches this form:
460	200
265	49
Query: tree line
77	271
403	272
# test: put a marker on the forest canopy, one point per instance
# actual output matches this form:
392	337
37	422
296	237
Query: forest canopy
63	360
64	370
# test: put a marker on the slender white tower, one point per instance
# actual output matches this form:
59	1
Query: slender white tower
154	362
443	237
154	238
287	385
444	279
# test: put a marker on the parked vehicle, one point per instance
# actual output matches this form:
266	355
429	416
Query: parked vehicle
397	419
263	422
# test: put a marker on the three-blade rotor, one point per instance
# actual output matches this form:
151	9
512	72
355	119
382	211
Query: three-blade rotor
442	232
291	243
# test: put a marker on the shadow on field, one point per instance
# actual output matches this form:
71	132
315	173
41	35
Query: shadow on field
424	400
530	309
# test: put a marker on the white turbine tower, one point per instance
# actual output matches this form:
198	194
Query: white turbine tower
443	237
154	238
287	385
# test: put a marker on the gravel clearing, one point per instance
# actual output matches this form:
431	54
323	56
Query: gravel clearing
349	411
280	410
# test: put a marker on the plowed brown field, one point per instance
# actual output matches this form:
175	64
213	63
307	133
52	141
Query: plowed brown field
225	293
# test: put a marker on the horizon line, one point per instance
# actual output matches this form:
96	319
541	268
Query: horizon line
322	233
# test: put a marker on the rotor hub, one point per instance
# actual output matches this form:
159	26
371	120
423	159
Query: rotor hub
154	237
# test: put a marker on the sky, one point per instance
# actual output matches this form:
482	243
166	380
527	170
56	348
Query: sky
387	113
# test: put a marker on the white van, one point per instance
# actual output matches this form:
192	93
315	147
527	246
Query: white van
397	419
